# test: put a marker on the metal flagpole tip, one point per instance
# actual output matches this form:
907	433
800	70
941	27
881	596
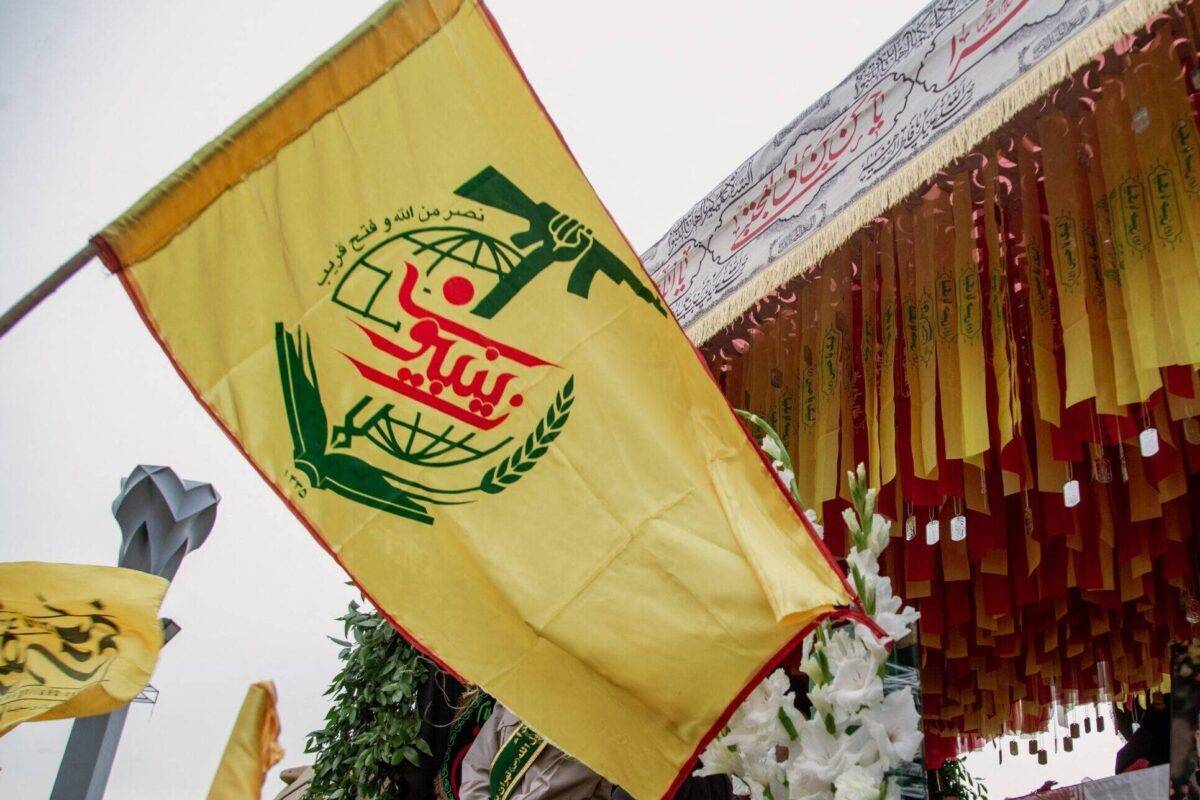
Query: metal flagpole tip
162	518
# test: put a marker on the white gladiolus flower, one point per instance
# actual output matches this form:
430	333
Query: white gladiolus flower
785	475
825	760
763	771
820	698
872	643
719	759
851	520
895	727
812	518
806	787
865	560
845	647
812	669
856	683
819	758
869	505
881	534
857	783
888	615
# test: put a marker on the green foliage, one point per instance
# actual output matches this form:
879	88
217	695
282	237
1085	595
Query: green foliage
372	729
955	782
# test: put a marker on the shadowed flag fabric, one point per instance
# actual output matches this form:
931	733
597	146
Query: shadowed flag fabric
75	640
253	747
392	286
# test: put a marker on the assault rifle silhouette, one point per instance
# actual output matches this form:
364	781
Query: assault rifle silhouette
558	237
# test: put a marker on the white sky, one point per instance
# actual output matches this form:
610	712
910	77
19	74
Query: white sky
99	101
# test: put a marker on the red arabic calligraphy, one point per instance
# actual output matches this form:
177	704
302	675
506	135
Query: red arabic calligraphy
673	281
996	15
448	366
804	170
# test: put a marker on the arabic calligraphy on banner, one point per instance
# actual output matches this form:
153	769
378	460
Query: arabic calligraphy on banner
952	58
75	640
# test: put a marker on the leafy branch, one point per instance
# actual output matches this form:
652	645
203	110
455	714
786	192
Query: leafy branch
372	732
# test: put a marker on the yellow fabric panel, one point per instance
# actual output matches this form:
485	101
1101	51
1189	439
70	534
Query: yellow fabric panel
917	308
758	387
422	327
809	332
846	458
1153	344
971	311
889	330
1048	397
1131	383
391	34
253	747
45	609
835	325
870	351
1073	249
936	253
1166	144
792	375
1004	355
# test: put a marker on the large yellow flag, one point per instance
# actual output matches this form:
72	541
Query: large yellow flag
75	640
394	289
253	747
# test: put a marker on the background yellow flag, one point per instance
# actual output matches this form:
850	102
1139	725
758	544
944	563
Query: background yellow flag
77	640
393	287
252	749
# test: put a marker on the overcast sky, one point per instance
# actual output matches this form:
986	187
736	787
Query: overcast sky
100	101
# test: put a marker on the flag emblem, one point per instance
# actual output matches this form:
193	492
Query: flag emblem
436	387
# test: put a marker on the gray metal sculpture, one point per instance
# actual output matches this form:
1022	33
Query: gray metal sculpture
162	518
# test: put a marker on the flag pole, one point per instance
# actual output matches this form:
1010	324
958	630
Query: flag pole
47	287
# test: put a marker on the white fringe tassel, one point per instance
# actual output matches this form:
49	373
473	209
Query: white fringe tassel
1122	20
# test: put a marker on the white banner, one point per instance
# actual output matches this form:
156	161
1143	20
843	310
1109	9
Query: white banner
949	62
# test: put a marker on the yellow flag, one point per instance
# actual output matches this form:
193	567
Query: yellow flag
1087	356
1153	317
936	253
253	747
393	287
870	348
828	354
1163	130
1004	349
888	330
969	304
1132	385
917	301
809	333
1047	395
78	640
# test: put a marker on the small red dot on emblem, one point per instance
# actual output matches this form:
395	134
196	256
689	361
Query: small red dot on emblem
458	290
436	387
487	409
516	400
492	354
